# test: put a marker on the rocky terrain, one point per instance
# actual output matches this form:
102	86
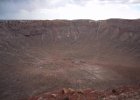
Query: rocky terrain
41	56
121	93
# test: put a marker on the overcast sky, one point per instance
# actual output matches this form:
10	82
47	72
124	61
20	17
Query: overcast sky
69	9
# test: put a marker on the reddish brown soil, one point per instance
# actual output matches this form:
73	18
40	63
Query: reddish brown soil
122	93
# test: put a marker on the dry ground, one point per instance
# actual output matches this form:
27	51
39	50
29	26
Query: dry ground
33	75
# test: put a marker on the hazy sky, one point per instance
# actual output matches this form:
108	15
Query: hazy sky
69	9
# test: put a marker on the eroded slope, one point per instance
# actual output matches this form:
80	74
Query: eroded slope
38	56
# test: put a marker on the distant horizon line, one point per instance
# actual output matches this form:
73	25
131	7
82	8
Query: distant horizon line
68	19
